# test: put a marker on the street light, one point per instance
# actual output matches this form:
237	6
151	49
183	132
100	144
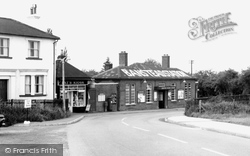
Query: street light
63	82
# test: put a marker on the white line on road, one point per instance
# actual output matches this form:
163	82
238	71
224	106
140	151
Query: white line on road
141	129
124	122
214	151
172	138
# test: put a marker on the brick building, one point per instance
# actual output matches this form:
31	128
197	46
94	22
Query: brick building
142	86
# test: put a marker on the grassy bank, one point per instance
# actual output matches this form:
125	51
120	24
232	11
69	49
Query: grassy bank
231	112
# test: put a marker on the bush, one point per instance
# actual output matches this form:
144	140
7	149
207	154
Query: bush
15	115
191	107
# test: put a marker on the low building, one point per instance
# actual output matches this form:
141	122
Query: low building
27	59
141	86
75	86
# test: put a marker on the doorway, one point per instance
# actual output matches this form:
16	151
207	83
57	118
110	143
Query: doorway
3	90
161	99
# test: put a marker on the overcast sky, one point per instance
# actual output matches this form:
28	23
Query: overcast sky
93	30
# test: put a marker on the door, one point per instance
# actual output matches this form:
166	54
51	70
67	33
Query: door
3	90
161	99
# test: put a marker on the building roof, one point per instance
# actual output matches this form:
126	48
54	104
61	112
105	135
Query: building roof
71	72
143	71
12	27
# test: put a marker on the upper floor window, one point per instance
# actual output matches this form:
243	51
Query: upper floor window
34	47
4	47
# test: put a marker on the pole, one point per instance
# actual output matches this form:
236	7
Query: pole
63	84
192	61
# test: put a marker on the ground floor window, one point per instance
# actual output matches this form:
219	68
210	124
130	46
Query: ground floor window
34	84
149	93
130	94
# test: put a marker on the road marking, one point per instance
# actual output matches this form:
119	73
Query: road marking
124	122
141	129
206	149
190	128
173	138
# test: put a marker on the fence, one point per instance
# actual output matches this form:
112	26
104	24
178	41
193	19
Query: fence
42	103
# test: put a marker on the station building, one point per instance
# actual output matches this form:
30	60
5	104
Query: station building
140	86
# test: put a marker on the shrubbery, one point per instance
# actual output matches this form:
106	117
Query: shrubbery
216	106
15	115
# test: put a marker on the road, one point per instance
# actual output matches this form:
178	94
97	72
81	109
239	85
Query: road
145	134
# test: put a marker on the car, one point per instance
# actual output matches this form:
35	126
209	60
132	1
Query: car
2	120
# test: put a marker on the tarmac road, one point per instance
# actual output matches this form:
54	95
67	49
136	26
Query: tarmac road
146	133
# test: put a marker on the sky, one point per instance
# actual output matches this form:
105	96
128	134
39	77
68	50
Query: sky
93	30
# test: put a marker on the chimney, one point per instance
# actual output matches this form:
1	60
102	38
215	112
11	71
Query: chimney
123	58
165	61
108	66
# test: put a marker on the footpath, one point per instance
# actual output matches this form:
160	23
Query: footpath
211	125
75	117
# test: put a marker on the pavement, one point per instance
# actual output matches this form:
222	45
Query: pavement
75	117
211	125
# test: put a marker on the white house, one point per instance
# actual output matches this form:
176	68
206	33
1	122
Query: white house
26	61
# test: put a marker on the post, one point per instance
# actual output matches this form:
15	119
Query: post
63	83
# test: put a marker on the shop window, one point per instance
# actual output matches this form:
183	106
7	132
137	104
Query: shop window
4	47
39	84
130	94
27	84
34	49
149	93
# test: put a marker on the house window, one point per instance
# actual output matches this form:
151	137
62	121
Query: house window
187	90
173	93
130	94
34	49
27	84
149	93
127	90
38	84
4	47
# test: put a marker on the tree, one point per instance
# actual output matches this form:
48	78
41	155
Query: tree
106	65
245	81
90	72
152	63
228	83
64	54
206	84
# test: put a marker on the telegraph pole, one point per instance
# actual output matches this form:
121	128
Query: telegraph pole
191	61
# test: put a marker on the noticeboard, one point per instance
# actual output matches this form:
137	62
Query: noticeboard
27	103
88	107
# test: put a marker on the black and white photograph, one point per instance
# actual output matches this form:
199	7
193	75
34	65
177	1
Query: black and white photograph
124	78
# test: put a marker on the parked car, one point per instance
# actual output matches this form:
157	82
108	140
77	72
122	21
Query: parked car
2	120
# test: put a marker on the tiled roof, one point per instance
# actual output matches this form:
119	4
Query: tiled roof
143	71
12	27
71	72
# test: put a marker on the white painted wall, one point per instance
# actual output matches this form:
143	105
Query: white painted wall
16	68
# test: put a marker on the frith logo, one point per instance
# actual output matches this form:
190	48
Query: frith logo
211	28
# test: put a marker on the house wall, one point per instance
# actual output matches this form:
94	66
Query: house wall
15	68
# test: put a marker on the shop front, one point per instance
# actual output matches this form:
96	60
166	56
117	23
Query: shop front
76	96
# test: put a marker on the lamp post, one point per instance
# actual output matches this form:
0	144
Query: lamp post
63	82
196	91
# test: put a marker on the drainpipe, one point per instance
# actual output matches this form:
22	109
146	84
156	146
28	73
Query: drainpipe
54	68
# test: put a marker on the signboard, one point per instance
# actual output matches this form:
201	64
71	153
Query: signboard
181	94
165	87
88	107
141	97
27	103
